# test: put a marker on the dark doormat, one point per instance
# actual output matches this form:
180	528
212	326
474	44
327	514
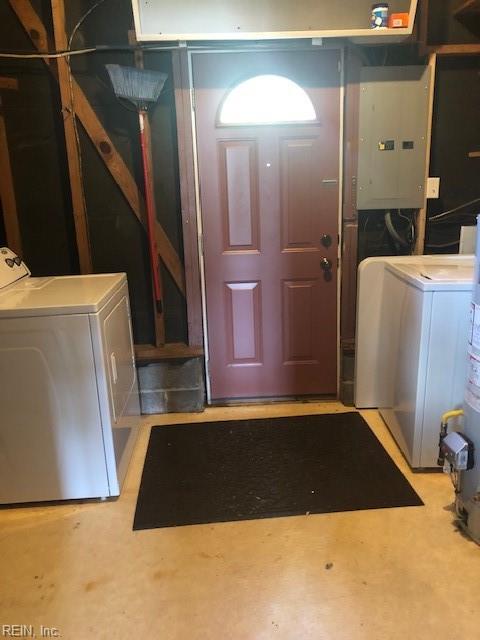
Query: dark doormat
248	469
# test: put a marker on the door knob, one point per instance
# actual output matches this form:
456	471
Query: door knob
326	264
326	240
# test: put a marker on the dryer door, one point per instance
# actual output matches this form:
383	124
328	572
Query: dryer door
120	356
117	384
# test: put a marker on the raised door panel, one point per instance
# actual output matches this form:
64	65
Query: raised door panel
298	321
239	194
243	318
299	193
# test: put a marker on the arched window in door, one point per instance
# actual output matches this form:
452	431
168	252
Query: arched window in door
267	99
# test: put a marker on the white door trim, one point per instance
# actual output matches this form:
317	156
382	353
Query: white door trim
201	257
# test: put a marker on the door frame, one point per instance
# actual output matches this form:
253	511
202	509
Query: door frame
198	205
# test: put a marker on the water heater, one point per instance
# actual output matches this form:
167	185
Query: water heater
460	452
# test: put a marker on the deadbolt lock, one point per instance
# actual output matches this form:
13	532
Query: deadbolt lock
326	264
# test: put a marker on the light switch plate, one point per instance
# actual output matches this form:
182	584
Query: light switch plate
433	187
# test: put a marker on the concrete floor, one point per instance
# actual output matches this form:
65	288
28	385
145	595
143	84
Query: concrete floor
379	575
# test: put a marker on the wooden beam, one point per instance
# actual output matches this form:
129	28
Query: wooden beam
183	108
454	49
353	65
107	151
32	24
7	192
71	139
474	154
467	8
146	353
447	49
170	257
9	83
349	281
105	147
421	221
423	27
158	313
349	253
124	179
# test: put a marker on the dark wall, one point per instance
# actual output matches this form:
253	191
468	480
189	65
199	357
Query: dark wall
117	238
36	140
456	131
37	154
445	28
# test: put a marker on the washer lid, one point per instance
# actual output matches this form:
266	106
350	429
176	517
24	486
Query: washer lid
447	273
439	277
58	295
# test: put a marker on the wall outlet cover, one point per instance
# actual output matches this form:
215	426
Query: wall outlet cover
433	187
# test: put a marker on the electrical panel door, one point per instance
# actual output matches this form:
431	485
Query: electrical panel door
393	123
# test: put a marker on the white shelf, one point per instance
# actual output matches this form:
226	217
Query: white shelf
365	35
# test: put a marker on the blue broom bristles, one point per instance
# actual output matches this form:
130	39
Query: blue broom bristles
139	86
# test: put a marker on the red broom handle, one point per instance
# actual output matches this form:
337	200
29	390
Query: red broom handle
150	206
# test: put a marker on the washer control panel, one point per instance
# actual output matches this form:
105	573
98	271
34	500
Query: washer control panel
12	268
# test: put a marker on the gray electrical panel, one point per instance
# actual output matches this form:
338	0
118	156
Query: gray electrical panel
392	150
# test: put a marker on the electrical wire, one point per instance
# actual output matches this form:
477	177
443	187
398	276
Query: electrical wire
458	220
121	47
402	215
443	246
447	213
97	49
72	105
367	220
410	228
81	21
130	48
58	54
372	247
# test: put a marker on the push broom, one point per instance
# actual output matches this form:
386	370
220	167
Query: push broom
142	88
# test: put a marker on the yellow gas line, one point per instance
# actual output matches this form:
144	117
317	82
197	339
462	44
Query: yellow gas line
451	414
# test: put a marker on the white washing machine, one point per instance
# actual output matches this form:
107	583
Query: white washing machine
69	406
411	356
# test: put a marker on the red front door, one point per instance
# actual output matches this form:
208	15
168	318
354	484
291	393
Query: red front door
269	201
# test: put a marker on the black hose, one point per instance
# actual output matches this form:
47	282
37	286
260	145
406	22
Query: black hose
442	435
